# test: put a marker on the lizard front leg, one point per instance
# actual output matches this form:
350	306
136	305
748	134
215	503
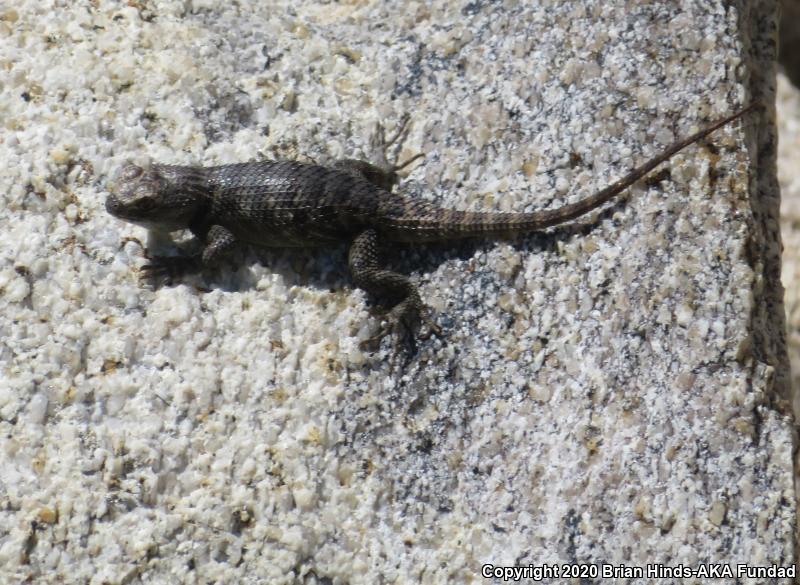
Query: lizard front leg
219	242
395	288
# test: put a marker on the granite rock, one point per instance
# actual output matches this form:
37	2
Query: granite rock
613	392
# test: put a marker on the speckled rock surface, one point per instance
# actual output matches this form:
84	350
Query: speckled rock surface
613	392
788	121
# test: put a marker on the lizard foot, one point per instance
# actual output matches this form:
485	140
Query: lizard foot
382	145
380	172
403	322
165	269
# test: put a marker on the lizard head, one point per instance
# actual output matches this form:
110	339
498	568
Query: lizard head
153	197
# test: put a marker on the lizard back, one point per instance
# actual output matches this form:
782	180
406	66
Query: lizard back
290	203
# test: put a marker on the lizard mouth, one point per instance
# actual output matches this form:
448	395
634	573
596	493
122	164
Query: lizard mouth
114	206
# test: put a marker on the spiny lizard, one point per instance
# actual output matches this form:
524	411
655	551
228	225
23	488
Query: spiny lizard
291	203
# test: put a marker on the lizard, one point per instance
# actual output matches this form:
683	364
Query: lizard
288	203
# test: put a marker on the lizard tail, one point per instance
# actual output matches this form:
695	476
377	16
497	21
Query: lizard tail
448	224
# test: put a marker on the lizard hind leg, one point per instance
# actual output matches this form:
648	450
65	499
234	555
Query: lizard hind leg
382	145
407	310
380	172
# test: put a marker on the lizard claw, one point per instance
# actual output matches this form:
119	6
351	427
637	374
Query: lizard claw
402	126
433	328
402	165
372	343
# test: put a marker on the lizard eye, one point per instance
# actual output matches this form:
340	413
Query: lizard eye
130	172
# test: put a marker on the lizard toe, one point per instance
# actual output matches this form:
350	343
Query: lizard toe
163	269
